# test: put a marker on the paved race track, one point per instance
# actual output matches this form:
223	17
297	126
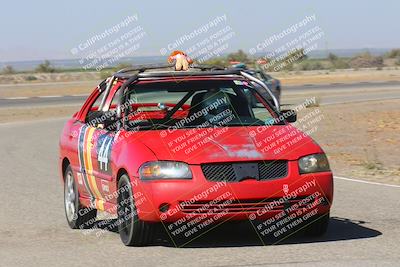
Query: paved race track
327	94
364	229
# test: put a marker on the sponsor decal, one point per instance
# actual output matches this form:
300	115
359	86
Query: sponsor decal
104	186
85	147
285	189
80	178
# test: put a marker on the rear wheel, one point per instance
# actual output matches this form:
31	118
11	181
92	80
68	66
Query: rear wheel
132	230
318	227
77	215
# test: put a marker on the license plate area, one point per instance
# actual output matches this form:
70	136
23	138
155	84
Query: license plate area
244	171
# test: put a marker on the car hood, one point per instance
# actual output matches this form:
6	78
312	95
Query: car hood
205	145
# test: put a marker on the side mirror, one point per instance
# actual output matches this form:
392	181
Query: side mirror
110	120
290	115
106	120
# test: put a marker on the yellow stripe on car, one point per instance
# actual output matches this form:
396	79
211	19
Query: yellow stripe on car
89	169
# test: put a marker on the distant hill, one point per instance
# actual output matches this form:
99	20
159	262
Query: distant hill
348	52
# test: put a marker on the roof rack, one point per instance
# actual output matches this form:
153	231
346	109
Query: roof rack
143	68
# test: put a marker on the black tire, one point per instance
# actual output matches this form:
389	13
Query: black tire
132	230
80	217
319	226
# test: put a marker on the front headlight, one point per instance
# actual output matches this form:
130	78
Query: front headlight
164	170
314	163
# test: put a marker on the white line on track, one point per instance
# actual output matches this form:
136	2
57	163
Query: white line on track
95	82
16	98
80	95
50	96
365	182
42	96
24	123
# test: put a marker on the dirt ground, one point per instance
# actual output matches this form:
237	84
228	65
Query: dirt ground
32	90
362	140
337	76
36	113
48	77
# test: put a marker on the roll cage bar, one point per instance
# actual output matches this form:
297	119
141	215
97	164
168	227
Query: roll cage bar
195	70
138	73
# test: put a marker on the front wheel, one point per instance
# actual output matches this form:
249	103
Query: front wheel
132	230
77	215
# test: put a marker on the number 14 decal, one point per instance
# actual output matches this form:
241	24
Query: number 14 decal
104	152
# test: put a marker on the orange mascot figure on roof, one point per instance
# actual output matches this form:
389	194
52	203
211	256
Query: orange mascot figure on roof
182	61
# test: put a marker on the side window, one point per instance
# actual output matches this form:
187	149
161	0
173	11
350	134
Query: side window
96	104
114	101
94	109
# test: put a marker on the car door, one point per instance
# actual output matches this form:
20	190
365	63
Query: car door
99	170
84	132
102	141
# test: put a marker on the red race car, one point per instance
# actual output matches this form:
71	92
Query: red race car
186	150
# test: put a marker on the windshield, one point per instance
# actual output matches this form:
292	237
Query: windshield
193	104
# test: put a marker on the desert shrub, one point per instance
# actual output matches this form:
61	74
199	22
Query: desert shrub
105	74
340	64
217	61
30	78
45	67
8	70
311	65
366	60
337	63
332	57
394	53
293	58
122	65
397	61
240	56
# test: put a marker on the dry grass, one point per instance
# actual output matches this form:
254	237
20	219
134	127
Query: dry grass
321	77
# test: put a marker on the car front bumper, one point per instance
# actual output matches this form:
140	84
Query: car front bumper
170	201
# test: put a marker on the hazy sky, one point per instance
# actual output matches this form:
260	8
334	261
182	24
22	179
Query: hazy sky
45	29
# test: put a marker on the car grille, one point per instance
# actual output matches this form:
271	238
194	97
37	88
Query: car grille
236	206
232	172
